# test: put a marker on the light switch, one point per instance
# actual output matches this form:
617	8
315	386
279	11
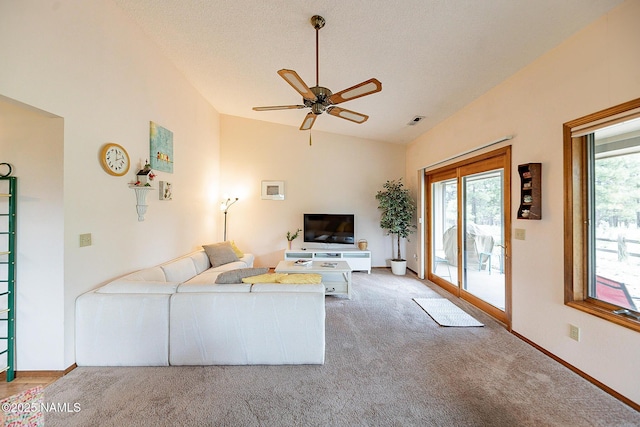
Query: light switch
519	233
85	240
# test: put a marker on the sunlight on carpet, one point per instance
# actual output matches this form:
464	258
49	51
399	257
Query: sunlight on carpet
445	313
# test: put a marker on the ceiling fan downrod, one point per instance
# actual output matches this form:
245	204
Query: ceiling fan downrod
318	22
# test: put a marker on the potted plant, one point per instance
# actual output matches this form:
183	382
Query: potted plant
292	237
397	208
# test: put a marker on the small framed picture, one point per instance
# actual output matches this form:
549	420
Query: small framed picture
164	188
273	190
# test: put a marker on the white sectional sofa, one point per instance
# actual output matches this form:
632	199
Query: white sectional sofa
175	314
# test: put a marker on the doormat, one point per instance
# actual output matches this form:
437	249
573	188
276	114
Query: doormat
446	313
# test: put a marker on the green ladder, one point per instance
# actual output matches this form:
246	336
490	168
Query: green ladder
8	269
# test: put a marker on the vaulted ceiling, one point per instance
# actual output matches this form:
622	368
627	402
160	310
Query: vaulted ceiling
432	56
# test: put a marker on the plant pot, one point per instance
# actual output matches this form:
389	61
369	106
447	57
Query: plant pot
399	268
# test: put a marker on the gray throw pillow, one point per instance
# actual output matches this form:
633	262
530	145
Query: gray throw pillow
220	253
236	276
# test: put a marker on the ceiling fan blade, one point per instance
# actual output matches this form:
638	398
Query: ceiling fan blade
365	88
308	121
279	107
347	114
297	83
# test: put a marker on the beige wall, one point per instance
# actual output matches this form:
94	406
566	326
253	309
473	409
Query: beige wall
32	142
88	64
595	69
336	174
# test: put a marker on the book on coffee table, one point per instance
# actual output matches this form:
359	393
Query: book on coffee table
329	264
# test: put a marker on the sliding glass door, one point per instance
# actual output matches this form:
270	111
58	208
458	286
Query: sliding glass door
483	221
468	210
444	244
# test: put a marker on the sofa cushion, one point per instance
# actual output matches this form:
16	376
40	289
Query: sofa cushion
124	286
264	278
206	282
237	276
220	253
236	250
204	288
207	278
179	270
154	274
200	261
301	278
248	259
228	266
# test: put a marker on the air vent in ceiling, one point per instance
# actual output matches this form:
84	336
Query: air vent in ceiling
415	120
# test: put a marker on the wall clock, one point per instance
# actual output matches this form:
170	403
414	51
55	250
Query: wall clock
115	159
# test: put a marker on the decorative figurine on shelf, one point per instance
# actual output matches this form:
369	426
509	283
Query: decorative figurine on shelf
145	175
292	237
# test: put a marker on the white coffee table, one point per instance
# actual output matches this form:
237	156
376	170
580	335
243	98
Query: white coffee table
336	279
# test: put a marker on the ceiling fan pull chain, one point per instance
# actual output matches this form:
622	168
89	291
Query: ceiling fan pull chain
309	137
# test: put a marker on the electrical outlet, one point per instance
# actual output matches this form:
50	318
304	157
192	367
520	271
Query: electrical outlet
574	333
519	233
85	240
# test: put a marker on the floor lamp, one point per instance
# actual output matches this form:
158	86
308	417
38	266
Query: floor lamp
224	206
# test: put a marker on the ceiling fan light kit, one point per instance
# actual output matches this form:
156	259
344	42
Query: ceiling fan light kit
320	99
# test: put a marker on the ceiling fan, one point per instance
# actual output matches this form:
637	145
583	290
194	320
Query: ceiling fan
321	99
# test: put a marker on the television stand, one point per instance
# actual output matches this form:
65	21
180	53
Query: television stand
358	260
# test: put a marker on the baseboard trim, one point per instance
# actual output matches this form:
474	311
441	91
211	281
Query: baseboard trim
584	375
40	374
388	268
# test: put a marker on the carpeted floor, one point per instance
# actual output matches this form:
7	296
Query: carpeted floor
387	364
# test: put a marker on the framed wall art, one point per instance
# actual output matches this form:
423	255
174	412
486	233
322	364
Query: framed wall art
273	190
161	148
165	190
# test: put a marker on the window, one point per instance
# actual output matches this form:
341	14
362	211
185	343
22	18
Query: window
602	214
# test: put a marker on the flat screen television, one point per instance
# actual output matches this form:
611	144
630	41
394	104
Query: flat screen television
329	228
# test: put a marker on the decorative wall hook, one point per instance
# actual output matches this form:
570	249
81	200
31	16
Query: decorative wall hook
8	169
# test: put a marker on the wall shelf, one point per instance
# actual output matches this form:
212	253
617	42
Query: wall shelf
141	199
530	191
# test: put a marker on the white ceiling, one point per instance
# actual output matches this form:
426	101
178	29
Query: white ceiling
432	56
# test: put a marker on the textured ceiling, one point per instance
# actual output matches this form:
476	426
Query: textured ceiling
432	56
